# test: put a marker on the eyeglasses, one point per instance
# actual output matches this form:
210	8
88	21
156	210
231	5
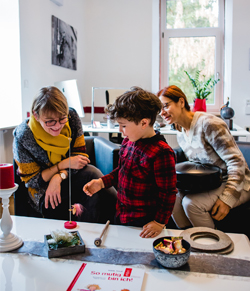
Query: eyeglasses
166	106
51	123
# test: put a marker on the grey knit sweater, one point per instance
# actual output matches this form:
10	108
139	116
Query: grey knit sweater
32	159
210	141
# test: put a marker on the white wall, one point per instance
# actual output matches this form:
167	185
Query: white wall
35	32
117	45
237	79
114	45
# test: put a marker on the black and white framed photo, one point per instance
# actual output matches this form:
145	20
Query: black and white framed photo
64	44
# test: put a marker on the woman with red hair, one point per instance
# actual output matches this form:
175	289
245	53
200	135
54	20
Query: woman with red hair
206	139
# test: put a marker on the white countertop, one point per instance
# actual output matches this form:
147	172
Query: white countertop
166	130
27	272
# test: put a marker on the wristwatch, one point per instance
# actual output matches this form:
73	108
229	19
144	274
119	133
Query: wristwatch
63	175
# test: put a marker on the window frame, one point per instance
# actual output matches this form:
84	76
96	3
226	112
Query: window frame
218	32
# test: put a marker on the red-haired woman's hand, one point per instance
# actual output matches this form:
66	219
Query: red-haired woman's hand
220	210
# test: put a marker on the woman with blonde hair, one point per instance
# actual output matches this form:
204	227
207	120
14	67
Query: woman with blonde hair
41	150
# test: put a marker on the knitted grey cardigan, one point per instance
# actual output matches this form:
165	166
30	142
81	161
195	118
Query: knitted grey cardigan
32	159
210	142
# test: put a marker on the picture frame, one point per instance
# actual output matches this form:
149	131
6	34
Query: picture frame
64	44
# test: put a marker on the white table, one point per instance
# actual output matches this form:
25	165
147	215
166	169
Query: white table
170	135
102	129
238	132
31	273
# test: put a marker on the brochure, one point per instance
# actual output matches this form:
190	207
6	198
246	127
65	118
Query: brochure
106	277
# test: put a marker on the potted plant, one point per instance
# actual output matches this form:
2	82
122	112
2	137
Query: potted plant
202	90
60	242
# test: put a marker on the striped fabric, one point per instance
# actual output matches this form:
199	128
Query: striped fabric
32	159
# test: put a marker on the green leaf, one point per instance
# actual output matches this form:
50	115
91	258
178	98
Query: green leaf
202	88
191	79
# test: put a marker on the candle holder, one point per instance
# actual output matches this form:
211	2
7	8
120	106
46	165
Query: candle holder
8	240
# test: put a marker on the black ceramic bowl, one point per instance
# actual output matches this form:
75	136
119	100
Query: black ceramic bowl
170	260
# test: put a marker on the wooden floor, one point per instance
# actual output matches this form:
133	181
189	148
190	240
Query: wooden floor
11	206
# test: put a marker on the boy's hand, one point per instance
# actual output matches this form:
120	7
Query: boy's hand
93	186
151	229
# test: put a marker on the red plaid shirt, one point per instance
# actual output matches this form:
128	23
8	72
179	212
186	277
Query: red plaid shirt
145	179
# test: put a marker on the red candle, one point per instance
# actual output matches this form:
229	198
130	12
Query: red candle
6	176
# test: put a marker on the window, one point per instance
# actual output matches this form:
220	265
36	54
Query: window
10	100
192	39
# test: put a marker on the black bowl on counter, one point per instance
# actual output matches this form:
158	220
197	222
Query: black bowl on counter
171	260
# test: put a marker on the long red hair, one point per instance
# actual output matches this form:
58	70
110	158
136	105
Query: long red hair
174	93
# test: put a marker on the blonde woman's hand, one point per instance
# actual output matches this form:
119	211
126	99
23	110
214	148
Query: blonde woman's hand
53	192
151	229
76	162
93	186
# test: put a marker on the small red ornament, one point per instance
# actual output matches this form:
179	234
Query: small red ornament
70	224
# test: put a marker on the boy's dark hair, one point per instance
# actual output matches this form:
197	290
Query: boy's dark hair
134	105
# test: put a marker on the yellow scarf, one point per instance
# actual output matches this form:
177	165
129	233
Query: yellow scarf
56	146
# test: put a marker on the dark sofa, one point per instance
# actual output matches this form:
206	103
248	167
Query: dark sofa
237	221
102	153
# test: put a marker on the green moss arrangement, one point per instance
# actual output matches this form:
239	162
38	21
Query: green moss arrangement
62	239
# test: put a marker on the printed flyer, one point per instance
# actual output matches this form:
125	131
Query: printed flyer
91	277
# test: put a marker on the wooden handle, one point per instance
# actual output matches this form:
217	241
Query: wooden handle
105	228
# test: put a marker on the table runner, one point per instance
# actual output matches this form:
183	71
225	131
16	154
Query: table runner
198	262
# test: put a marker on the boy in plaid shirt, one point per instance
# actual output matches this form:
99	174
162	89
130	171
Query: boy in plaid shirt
145	178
